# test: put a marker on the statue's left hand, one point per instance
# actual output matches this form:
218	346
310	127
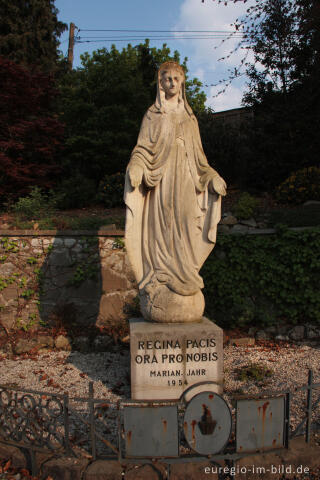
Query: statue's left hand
218	185
135	175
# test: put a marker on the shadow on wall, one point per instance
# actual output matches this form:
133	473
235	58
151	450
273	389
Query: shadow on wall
86	286
71	282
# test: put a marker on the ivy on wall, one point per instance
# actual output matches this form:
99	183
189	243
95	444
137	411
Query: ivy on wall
261	280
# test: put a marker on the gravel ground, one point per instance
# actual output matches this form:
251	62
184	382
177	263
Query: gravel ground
63	372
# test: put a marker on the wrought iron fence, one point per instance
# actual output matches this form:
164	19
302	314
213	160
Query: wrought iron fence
184	431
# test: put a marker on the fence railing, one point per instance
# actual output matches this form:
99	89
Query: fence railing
40	421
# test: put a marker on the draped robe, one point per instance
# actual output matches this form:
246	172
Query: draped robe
172	216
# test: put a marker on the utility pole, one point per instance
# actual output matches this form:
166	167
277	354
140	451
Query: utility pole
71	44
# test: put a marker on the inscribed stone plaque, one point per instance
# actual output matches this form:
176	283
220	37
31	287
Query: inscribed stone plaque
166	359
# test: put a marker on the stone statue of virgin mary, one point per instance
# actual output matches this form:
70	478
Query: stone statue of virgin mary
173	200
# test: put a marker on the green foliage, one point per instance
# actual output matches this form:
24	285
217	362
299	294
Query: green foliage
251	279
32	260
31	321
102	105
111	190
133	308
283	92
245	206
67	222
75	191
270	26
283	138
118	243
302	216
6	281
226	146
301	186
8	246
84	271
28	293
254	372
34	205
42	323
89	267
29	32
87	222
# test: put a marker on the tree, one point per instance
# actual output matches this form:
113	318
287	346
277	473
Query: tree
283	91
282	88
103	103
30	137
226	147
29	32
269	28
306	51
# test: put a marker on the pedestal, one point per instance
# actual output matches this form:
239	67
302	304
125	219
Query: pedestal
167	358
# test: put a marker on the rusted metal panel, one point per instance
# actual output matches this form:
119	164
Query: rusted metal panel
260	424
207	423
151	431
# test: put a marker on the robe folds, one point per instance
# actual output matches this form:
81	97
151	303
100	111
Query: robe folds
172	216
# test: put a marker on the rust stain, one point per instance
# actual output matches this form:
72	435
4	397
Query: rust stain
193	436
185	428
270	415
211	396
129	436
253	429
164	426
264	409
240	448
219	428
274	442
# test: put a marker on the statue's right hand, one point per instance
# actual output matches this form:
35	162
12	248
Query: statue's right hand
135	175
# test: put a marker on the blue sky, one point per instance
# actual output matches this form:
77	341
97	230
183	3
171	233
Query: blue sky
163	15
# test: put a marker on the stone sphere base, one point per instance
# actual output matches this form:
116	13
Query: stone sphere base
166	306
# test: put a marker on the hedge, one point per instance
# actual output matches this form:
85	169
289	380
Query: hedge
264	279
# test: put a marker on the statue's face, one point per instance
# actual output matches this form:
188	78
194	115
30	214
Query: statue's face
171	82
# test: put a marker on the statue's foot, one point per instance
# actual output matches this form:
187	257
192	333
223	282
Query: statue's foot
166	306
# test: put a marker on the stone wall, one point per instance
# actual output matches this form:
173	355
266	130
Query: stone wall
81	277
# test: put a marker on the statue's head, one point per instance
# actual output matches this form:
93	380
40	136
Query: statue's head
171	82
171	77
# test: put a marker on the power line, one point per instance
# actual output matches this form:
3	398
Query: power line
194	37
155	31
173	35
110	38
143	38
169	36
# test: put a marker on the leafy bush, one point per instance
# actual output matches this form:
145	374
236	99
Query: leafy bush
245	206
253	279
111	190
75	192
300	216
254	372
87	222
34	205
301	186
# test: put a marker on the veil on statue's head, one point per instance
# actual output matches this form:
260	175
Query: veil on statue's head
160	100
